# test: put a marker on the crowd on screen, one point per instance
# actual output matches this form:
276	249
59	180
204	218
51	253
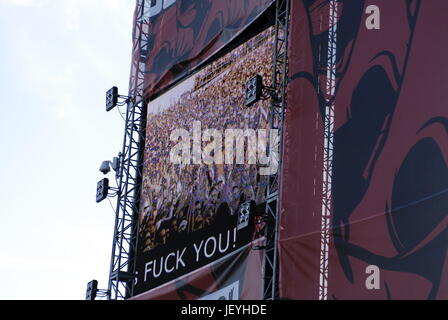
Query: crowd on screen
179	199
217	67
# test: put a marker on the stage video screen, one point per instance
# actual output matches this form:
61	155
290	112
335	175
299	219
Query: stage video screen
207	161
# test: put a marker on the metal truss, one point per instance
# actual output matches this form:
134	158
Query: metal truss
327	175
277	117
129	177
122	268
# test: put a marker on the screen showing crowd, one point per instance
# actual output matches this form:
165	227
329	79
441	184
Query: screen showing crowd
180	199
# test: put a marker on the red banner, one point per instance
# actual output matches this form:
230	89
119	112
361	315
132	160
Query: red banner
183	33
237	276
384	233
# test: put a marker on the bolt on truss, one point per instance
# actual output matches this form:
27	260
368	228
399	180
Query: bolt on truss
122	267
327	174
277	117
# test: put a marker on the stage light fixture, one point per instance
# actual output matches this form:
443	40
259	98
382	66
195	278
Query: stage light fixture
92	290
111	98
254	90
102	189
105	167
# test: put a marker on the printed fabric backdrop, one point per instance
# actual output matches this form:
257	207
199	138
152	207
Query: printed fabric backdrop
390	175
183	33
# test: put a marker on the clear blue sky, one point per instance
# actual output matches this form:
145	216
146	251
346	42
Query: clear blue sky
57	60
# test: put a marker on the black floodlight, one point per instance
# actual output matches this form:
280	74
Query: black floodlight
111	98
102	189
92	290
254	90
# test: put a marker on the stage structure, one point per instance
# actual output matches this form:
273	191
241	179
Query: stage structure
122	267
123	270
357	207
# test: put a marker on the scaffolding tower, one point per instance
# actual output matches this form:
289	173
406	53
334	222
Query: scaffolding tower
129	177
277	118
327	174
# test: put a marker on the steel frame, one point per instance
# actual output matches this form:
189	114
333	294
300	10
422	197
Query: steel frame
277	117
327	172
122	266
